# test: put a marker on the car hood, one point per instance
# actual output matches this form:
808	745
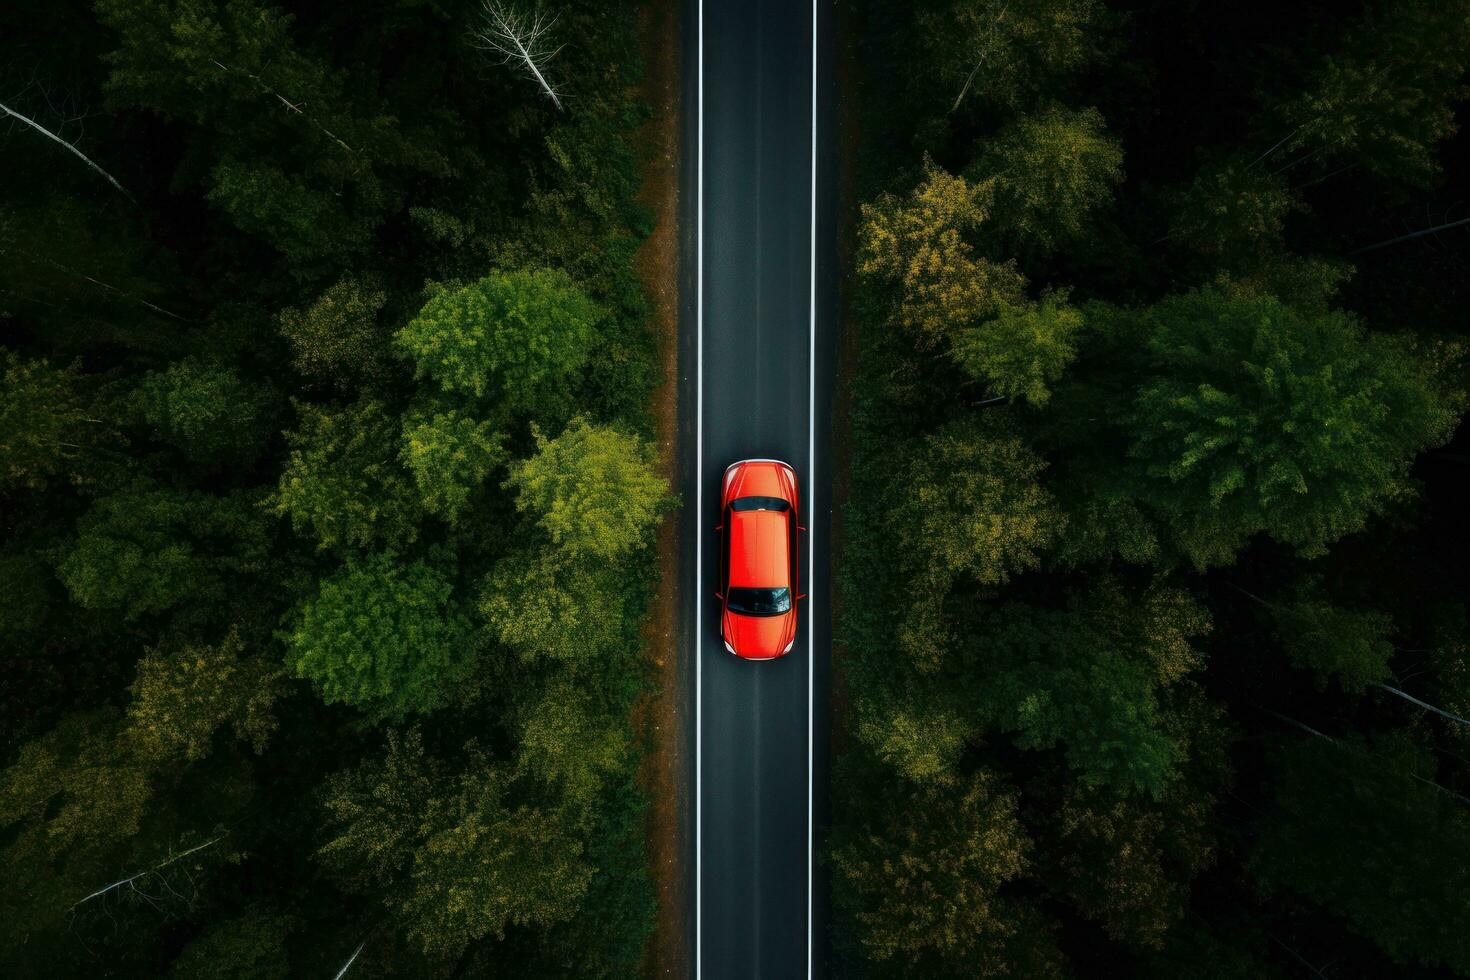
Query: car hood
760	637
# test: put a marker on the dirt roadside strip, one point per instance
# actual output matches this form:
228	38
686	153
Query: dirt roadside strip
657	263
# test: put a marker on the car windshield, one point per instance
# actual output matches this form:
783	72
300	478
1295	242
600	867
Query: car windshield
759	503
760	602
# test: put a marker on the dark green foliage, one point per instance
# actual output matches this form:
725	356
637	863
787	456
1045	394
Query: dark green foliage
1405	886
1254	417
206	411
147	551
922	871
1053	170
1090	679
1214	510
45	431
243	541
383	635
249	946
343	485
517	339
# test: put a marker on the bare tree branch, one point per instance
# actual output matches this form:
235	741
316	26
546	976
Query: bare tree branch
521	40
1418	234
70	148
1424	704
981	60
350	960
291	107
128	882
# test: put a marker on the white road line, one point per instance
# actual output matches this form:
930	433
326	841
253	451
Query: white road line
699	530
811	482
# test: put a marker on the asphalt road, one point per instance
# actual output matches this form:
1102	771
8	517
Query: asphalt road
756	368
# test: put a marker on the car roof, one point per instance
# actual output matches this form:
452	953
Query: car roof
759	549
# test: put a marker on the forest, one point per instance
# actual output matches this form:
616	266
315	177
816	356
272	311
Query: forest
1153	646
327	489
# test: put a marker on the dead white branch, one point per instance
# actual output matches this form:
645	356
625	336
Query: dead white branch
350	960
69	147
520	39
1424	704
129	881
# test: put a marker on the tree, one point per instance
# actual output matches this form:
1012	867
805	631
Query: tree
544	605
1388	96
206	410
384	635
919	245
1126	861
70	803
242	948
457	858
450	454
1256	417
1023	350
1053	170
44	424
1406	887
302	156
182	698
1005	54
520	40
342	483
1091	678
971	506
920	869
1233	214
1334	642
592	489
143	551
572	739
337	339
519	338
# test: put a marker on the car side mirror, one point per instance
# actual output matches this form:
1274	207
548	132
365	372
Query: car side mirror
719	597
719	527
801	596
800	527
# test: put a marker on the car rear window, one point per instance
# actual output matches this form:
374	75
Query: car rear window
759	503
759	602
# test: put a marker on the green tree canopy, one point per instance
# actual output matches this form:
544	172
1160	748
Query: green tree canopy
337	338
1053	171
450	454
343	484
542	604
593	489
1255	417
1349	645
451	852
518	338
1002	54
1407	887
1023	350
145	551
1091	678
1388	97
246	947
44	423
385	635
921	245
205	410
921	870
182	697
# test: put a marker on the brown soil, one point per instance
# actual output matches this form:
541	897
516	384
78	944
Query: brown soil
656	716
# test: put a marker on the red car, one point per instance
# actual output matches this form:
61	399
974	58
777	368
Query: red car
758	559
